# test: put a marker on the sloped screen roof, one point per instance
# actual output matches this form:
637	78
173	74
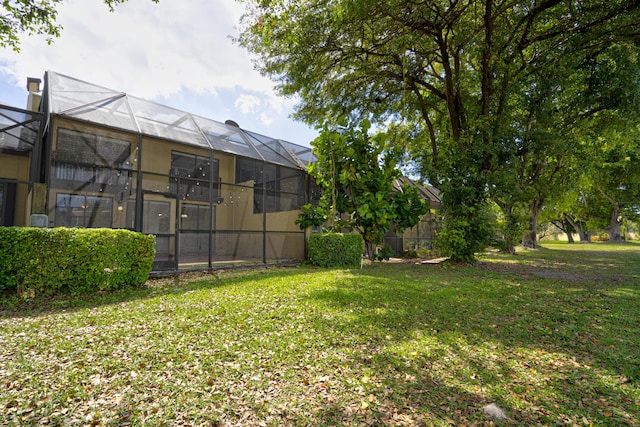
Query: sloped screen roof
19	129
75	98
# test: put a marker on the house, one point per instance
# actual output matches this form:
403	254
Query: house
212	193
422	234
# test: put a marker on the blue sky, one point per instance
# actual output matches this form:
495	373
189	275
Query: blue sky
178	53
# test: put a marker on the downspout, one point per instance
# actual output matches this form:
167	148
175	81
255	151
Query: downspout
212	206
139	202
47	150
137	226
264	213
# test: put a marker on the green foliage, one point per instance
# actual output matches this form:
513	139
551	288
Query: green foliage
311	216
452	240
335	250
615	180
510	225
76	260
357	173
462	237
606	191
468	223
33	17
411	253
383	254
550	336
488	94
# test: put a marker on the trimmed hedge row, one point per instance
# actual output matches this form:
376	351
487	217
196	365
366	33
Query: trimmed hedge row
335	250
47	261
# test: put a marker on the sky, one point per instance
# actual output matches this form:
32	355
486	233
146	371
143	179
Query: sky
178	53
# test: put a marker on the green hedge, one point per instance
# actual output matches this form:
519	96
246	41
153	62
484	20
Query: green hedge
48	261
335	250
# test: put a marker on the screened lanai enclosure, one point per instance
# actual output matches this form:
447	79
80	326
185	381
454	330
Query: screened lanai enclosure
20	139
211	192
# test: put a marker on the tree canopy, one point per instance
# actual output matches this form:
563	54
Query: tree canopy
361	184
488	92
29	17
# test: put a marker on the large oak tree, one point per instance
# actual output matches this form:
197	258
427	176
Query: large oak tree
472	82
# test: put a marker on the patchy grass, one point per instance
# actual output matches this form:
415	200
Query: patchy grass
550	336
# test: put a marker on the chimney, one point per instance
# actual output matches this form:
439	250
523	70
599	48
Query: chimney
33	86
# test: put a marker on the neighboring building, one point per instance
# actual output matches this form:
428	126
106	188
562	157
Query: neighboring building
421	235
211	192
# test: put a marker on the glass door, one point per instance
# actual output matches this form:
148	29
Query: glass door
7	203
157	220
194	233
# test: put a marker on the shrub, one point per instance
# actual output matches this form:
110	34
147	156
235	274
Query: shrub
56	260
601	237
383	254
411	253
335	250
461	238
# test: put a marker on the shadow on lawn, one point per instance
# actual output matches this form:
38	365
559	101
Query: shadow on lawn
433	345
12	306
605	263
452	340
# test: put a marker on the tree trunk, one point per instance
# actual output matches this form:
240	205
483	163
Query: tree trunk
370	248
566	227
530	239
569	236
584	237
509	246
614	224
509	233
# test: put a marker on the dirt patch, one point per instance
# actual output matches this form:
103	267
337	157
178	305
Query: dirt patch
553	274
530	270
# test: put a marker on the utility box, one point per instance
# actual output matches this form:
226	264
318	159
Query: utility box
39	220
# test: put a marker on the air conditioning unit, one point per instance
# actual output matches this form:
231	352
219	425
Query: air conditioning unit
39	220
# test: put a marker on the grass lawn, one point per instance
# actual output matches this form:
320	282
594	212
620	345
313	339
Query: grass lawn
551	336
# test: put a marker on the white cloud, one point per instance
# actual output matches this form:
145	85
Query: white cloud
154	51
145	49
247	104
267	119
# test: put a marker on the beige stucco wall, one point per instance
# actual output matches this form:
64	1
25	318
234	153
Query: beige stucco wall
235	212
118	209
17	168
14	167
22	207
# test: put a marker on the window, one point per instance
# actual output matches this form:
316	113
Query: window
194	217
190	176
77	210
7	200
315	192
284	186
156	216
247	170
90	149
92	163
